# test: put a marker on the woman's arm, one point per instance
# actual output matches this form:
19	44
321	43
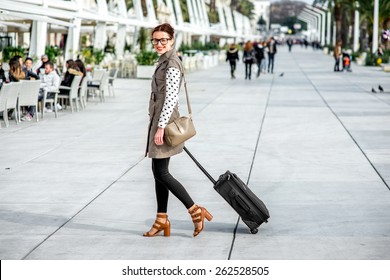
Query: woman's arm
172	80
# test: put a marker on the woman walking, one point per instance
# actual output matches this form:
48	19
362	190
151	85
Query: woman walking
163	109
248	58
232	56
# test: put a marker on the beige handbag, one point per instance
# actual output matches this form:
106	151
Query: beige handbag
181	129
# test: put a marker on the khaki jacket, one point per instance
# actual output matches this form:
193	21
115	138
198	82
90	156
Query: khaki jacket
156	102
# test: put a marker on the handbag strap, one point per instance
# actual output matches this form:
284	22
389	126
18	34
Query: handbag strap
188	100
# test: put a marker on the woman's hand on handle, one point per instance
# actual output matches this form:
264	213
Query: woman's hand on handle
159	136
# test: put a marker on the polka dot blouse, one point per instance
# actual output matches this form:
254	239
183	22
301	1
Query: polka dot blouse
172	80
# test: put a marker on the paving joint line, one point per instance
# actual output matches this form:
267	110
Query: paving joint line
252	163
345	128
85	206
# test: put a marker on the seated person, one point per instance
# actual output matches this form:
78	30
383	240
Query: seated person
3	79
16	72
44	60
50	82
72	70
30	75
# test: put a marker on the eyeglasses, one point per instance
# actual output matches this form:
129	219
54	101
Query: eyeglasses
163	41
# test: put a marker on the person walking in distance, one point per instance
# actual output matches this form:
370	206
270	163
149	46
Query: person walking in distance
248	58
232	56
337	56
259	55
163	109
271	53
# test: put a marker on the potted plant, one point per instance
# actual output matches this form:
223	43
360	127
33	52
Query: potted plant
10	51
145	63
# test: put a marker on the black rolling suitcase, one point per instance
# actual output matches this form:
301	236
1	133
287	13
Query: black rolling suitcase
251	209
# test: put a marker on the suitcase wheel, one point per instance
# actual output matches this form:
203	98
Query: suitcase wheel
254	230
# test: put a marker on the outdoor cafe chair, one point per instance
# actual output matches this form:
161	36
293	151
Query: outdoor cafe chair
12	99
28	96
83	93
100	88
73	95
3	102
111	78
52	101
96	83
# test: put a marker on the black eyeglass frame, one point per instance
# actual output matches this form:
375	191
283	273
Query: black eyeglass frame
153	41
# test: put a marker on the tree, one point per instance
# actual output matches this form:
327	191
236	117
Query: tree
244	7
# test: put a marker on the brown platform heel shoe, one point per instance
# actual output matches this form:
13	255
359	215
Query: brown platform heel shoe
159	226
198	214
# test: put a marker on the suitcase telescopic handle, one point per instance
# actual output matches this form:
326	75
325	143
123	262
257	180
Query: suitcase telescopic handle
200	166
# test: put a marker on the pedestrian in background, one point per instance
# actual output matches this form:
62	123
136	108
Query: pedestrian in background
232	56
289	44
337	56
248	58
271	54
259	55
163	109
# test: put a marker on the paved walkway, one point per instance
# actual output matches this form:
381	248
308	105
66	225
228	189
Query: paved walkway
314	145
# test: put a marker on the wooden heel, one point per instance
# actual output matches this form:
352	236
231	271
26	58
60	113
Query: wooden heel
159	226
208	216
167	229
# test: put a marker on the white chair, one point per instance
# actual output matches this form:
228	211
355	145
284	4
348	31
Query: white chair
73	93
102	87
3	102
111	78
52	101
28	96
12	99
95	82
83	93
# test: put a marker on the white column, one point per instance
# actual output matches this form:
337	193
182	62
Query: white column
222	19
100	36
375	27
328	29
314	19
172	10
151	12
356	31
191	12
317	21
121	32
73	40
229	19
38	38
238	19
100	30
321	17
179	13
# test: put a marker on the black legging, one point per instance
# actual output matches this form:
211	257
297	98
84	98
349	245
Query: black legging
248	69
165	183
232	67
